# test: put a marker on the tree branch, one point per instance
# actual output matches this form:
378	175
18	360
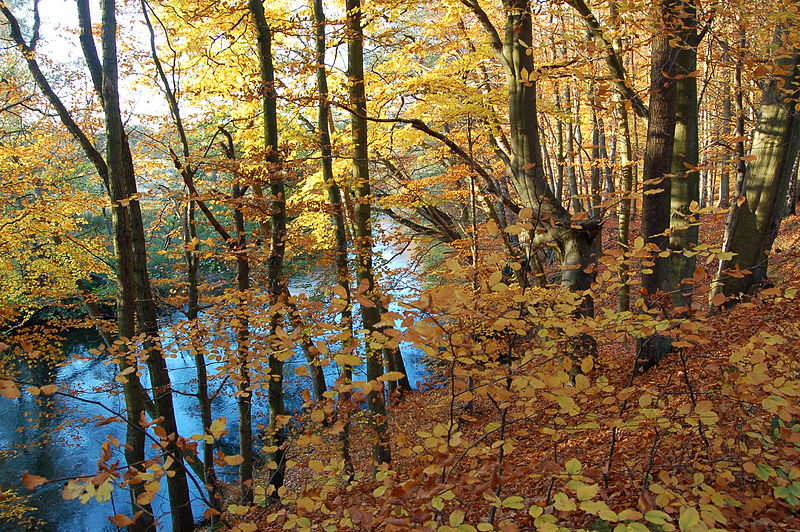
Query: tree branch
41	81
419	125
89	48
613	59
491	31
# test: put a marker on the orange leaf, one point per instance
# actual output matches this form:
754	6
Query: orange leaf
49	389
9	390
32	481
120	520
719	299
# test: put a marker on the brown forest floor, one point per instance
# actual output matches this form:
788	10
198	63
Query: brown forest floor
421	410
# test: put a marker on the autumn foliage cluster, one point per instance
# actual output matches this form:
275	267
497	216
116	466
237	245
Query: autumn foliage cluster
574	220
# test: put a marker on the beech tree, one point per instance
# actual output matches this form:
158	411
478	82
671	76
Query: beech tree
136	310
757	212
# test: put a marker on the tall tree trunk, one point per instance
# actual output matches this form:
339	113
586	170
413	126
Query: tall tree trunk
626	176
121	174
370	313
337	209
595	170
244	398
624	210
791	197
126	323
116	170
656	180
756	216
572	178
685	187
192	259
724	180
277	286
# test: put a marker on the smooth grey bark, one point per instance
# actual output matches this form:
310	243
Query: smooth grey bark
685	186
755	217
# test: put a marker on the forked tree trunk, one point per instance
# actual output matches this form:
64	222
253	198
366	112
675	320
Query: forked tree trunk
755	217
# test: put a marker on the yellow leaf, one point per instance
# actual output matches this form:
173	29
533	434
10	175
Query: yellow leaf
456	518
347	360
587	491
237	509
317	416
565	402
391	376
306	504
689	518
217	428
234	459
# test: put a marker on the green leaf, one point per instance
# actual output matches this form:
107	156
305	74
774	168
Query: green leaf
573	466
689	518
657	517
587	491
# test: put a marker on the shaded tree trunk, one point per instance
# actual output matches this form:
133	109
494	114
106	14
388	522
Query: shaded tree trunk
370	313
685	186
656	179
277	287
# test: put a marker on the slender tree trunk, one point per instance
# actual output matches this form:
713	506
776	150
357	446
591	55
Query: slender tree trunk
624	211
791	197
192	260
595	171
370	313
724	180
277	286
132	388
120	165
244	398
337	209
577	204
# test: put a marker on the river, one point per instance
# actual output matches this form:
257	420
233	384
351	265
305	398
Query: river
59	437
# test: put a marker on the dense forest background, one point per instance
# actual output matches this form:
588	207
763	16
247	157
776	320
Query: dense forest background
399	265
